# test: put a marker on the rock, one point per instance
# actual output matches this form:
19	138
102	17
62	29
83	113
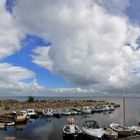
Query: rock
10	138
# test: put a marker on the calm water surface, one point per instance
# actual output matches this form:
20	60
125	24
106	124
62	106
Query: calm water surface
51	128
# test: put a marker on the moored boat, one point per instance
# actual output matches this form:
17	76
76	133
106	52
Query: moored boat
92	130
10	123
48	112
106	108
71	129
73	112
136	129
32	113
122	130
20	118
85	110
66	112
2	125
25	114
7	121
110	134
57	114
97	109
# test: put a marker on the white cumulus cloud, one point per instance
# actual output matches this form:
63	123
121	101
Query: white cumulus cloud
11	80
11	77
9	34
88	41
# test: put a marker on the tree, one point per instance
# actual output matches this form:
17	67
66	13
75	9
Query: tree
30	99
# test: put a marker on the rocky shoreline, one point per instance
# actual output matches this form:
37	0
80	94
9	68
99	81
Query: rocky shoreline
13	105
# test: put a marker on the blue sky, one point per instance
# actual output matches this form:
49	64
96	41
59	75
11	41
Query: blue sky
22	58
87	46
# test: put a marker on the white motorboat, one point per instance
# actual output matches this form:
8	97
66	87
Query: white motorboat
110	134
136	129
10	123
71	129
31	113
106	108
48	112
112	107
85	110
66	112
57	113
73	112
122	130
97	109
91	129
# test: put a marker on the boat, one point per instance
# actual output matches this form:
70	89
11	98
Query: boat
106	108
112	107
2	125
136	129
71	129
78	110
20	118
25	114
10	123
48	112
85	110
122	130
96	109
92	130
32	113
7	121
66	112
56	114
110	134
73	112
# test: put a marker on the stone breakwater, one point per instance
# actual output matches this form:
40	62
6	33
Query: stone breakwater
10	105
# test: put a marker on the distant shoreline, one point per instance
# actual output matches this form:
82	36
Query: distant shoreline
24	98
8	105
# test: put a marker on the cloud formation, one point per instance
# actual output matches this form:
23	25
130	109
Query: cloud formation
11	80
11	77
90	45
9	34
93	43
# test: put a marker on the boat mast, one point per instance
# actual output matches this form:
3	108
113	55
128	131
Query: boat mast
124	121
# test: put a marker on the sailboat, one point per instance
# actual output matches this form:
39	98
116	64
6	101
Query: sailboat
122	129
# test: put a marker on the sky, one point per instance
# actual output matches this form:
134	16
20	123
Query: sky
69	47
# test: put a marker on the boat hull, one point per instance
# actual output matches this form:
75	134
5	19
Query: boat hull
136	129
110	134
23	120
34	116
121	130
57	115
93	133
72	137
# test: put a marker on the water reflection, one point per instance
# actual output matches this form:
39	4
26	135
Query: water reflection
48	128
